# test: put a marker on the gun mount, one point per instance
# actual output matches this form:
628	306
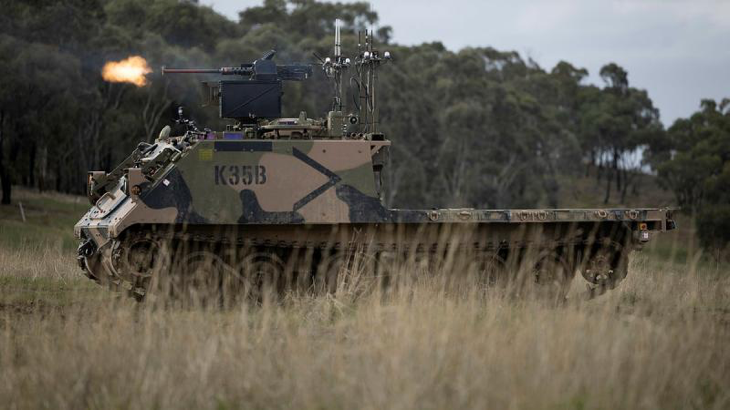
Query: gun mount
254	100
257	95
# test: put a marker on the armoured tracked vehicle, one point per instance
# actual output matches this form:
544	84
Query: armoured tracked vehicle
244	202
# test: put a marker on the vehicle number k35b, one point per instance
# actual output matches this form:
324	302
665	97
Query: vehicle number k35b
240	174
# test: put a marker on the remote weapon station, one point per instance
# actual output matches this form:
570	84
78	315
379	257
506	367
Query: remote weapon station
272	198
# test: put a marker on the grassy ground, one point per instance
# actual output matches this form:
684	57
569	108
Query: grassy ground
50	218
659	341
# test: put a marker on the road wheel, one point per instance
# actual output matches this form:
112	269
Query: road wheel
551	275
488	270
349	272
263	275
200	279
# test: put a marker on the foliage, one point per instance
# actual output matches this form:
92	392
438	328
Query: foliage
474	127
694	163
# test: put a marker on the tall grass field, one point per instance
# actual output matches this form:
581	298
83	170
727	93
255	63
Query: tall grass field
661	340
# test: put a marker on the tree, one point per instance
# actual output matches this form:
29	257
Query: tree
713	218
616	121
697	170
46	79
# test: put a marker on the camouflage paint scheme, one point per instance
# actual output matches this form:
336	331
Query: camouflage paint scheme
291	182
275	196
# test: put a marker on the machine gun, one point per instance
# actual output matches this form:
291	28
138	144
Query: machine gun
257	95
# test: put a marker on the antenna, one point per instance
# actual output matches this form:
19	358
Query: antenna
338	44
333	68
367	62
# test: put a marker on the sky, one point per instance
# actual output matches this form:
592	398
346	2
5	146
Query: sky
679	51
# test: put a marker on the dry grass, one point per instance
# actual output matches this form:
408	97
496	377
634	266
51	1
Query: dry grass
659	341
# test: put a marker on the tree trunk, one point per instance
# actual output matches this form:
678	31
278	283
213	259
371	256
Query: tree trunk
636	185
42	167
153	111
616	170
625	187
631	180
31	165
591	163
609	178
4	174
59	180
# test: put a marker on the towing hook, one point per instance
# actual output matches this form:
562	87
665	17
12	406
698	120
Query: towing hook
87	248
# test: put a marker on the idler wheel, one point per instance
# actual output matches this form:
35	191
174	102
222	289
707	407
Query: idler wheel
605	268
608	264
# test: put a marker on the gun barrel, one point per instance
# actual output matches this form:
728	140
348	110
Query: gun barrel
166	70
260	68
243	70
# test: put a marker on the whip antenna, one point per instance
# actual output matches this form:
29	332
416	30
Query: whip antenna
338	43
